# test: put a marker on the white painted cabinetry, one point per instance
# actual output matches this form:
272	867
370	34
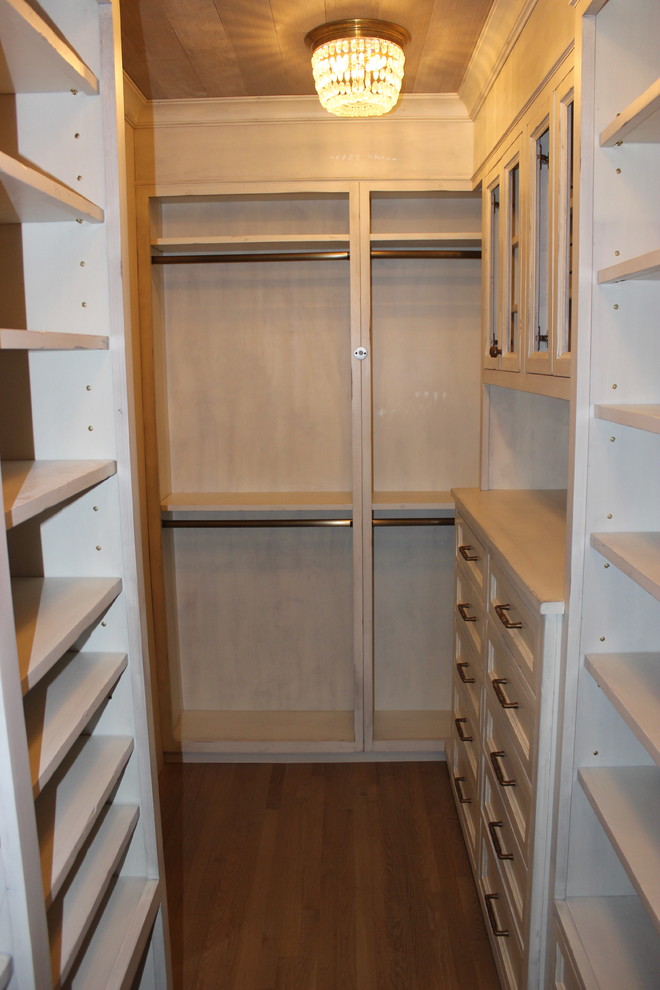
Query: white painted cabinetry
607	912
509	607
81	901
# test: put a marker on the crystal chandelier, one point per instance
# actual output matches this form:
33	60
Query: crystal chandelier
358	65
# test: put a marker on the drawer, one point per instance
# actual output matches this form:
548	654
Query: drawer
466	793
503	846
471	552
504	938
514	619
512	784
468	670
509	691
465	726
470	611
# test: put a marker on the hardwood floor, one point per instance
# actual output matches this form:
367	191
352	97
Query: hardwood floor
319	877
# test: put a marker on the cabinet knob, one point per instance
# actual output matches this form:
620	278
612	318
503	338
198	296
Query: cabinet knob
495	757
498	683
494	350
490	910
458	722
495	839
501	611
463	612
465	552
460	667
459	792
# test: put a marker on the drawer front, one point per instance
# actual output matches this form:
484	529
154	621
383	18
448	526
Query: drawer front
471	552
470	612
520	627
499	834
512	784
468	670
504	938
466	793
510	694
465	727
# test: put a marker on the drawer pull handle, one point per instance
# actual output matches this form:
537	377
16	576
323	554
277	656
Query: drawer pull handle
459	792
458	722
463	612
495	839
460	667
490	910
504	618
497	683
501	779
465	552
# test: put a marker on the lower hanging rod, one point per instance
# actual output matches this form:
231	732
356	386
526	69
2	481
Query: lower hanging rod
250	523
423	253
206	259
436	521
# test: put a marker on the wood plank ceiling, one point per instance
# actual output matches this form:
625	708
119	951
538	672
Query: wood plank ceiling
182	49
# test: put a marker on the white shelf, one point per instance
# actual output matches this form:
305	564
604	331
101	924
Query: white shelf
644	266
250	244
627	803
631	681
61	705
29	196
113	954
613	939
257	501
30	487
50	614
51	340
639	123
69	806
636	554
71	915
442	241
640	417
35	58
264	731
6	970
413	500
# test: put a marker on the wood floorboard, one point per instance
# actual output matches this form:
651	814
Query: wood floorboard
319	877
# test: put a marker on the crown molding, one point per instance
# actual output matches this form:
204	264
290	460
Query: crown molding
277	109
504	25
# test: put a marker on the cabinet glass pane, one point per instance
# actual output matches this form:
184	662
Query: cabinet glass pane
494	293
514	258
542	246
566	314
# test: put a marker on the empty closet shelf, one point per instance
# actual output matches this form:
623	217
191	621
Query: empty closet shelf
31	487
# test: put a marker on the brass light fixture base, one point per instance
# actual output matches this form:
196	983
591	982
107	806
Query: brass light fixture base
357	27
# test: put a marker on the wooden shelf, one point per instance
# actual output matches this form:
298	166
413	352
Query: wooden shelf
627	803
69	806
461	240
261	501
51	340
6	971
50	614
250	244
35	58
29	196
613	939
30	487
640	417
71	915
632	683
644	266
264	731
636	554
553	386
113	955
61	705
528	529
412	500
639	123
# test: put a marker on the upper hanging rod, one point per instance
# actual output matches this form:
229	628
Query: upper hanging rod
249	523
416	521
377	253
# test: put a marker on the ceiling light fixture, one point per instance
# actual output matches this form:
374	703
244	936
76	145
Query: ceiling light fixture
358	65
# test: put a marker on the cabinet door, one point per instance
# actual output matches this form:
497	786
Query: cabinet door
539	335
564	312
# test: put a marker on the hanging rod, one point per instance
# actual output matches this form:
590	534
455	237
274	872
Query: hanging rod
250	523
436	521
202	259
378	254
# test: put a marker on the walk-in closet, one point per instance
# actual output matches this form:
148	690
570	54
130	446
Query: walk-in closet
330	569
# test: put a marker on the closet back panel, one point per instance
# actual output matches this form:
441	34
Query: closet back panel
258	387
264	617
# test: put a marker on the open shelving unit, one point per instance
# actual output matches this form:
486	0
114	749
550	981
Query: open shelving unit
608	851
79	818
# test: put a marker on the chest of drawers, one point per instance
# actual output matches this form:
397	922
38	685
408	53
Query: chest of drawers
509	606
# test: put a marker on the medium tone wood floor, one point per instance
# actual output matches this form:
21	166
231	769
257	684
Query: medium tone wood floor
320	877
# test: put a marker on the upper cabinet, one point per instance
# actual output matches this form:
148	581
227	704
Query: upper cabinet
528	245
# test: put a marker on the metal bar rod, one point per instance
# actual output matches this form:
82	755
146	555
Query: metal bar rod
250	523
437	521
423	253
205	259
